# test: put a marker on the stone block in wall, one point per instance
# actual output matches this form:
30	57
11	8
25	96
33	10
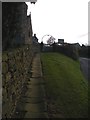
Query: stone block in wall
7	109
11	63
4	96
5	57
15	76
8	77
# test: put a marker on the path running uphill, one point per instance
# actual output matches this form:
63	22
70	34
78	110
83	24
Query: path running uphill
32	102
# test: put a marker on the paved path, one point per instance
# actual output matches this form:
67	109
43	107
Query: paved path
32	103
85	67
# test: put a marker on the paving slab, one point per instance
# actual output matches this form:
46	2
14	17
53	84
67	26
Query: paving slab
36	81
36	115
32	100
35	91
35	107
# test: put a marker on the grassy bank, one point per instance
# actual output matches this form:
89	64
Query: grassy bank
66	88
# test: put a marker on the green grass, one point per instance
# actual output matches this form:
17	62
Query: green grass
66	88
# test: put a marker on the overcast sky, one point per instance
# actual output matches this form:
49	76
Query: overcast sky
64	19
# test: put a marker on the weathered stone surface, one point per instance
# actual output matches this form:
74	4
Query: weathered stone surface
16	68
16	14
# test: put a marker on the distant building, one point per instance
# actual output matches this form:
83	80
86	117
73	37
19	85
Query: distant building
60	41
77	45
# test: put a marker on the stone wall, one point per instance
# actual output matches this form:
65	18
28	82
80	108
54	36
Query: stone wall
16	66
18	52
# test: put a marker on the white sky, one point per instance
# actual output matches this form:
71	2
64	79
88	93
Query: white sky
64	19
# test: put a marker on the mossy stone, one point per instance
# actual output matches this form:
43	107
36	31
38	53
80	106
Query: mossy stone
4	67
4	57
8	76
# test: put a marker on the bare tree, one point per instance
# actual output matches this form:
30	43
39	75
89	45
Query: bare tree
51	40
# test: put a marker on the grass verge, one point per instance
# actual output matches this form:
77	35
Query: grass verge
66	88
